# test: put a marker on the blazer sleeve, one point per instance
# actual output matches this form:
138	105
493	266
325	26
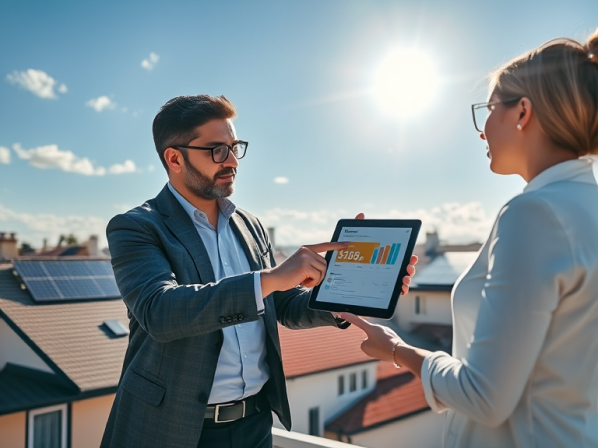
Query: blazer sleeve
529	258
165	309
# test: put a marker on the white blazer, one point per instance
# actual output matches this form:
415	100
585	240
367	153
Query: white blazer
524	370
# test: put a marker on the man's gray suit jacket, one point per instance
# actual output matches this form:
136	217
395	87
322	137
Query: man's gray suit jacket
177	311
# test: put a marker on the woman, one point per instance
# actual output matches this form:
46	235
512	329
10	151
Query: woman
524	370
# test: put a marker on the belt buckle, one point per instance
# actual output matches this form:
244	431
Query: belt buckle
217	412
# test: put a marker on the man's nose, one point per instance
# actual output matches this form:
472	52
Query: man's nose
231	160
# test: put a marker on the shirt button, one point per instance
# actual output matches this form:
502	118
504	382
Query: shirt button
225	263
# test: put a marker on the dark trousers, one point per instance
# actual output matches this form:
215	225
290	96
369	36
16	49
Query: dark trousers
254	431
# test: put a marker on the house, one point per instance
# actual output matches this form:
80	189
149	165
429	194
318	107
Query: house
337	391
394	414
59	363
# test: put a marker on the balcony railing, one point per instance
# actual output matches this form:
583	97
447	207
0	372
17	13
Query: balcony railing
285	439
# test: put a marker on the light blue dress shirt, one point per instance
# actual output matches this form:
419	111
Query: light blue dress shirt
241	370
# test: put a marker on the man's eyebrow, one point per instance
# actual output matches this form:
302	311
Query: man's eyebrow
220	143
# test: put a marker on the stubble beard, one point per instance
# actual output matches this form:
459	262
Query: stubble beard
204	187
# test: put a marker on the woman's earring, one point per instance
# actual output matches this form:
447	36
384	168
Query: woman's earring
519	126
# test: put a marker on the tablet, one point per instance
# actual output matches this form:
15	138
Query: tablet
366	277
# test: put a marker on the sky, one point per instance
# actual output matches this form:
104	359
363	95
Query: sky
80	83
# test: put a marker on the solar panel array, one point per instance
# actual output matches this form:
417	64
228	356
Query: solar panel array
54	280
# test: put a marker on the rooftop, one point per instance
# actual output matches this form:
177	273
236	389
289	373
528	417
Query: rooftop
317	349
68	336
398	394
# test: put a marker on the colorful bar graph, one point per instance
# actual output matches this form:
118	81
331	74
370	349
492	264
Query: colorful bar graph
369	253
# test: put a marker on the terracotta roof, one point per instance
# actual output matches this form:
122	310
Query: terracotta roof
398	394
319	349
68	336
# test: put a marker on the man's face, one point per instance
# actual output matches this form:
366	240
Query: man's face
203	177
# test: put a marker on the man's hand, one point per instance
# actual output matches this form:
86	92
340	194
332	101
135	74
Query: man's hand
410	268
304	268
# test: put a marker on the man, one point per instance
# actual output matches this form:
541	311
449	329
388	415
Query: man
203	367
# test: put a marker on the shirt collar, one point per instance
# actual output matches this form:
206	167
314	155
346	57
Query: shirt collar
226	206
576	170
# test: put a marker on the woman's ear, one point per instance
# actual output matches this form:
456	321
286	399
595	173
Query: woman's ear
172	158
525	112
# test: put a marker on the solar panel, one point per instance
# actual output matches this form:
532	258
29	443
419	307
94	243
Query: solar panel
58	280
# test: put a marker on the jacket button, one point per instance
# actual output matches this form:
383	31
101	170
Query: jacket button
241	317
235	318
202	397
229	319
222	320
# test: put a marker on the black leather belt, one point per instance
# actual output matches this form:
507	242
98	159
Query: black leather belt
235	410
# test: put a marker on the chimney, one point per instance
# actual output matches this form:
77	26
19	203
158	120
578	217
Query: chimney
92	246
8	246
271	236
432	242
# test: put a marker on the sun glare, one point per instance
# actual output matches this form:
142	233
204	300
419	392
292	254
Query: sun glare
406	83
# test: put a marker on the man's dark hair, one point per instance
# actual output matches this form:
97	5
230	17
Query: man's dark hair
178	119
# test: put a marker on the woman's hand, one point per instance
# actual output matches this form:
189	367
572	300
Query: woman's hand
384	344
380	340
410	268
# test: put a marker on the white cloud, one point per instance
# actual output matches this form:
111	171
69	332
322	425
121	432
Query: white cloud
49	156
101	103
4	155
120	168
37	82
151	61
456	223
281	180
34	228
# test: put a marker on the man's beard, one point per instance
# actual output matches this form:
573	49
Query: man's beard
204	187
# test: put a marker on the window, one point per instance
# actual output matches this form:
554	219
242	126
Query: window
364	379
341	385
353	382
314	421
420	305
47	427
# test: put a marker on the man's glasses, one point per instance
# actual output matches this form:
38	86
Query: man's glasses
220	152
481	111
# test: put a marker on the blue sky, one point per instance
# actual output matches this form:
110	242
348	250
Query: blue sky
77	102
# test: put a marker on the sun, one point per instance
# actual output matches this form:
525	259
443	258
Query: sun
406	82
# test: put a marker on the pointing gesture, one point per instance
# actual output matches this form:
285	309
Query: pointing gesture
305	268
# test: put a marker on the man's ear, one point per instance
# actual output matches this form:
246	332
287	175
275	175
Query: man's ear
525	112
173	160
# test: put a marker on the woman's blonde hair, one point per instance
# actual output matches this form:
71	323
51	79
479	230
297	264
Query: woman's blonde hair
560	78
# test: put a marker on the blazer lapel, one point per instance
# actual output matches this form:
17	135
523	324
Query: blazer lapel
179	223
247	241
251	249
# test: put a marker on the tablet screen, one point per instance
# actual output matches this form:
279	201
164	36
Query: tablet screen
365	274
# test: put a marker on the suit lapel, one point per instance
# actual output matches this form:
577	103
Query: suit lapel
180	224
250	247
247	242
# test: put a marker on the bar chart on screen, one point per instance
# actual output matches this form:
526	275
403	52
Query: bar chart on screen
370	253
